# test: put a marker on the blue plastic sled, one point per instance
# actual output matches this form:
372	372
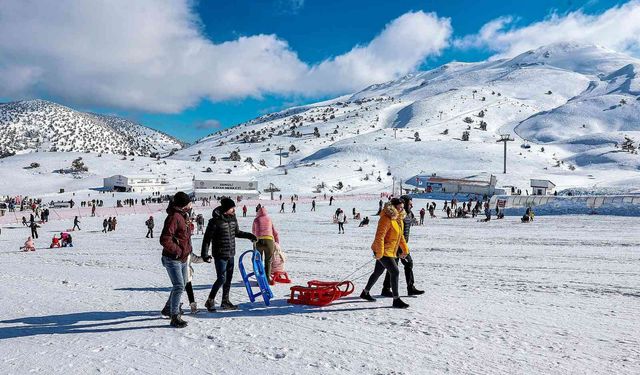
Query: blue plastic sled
260	276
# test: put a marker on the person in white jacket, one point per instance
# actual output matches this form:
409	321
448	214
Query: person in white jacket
188	286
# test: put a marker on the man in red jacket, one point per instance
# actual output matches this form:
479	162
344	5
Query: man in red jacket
176	247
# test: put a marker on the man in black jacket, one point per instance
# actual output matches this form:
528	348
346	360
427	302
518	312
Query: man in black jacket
221	234
407	262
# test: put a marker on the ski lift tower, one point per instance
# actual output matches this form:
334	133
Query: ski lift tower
280	148
271	189
505	138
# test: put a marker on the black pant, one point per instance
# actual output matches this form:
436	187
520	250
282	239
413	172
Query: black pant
150	232
224	273
189	288
340	227
391	265
407	262
75	225
34	233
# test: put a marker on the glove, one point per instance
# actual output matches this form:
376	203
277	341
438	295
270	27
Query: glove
253	238
207	259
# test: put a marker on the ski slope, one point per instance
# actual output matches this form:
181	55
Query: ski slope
556	296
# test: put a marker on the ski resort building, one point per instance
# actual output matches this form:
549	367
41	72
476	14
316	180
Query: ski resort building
479	184
215	186
135	183
542	187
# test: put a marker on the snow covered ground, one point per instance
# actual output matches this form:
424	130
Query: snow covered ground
559	295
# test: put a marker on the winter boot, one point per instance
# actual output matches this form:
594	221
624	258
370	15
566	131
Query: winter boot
210	305
227	305
413	291
177	322
166	311
366	296
399	304
194	307
386	292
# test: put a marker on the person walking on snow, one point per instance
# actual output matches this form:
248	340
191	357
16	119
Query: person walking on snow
76	221
313	205
385	246
193	258
282	208
105	225
176	249
268	237
34	229
293	207
341	218
244	211
422	213
407	261
150	224
221	233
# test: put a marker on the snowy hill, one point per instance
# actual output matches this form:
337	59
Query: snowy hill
46	126
573	104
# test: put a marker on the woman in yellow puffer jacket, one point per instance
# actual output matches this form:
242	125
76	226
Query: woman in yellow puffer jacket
389	237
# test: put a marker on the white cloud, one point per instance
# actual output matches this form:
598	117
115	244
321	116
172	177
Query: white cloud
209	124
618	28
152	55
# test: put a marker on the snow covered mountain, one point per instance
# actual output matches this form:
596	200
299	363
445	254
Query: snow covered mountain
569	107
46	126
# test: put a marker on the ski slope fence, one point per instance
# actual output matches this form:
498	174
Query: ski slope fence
617	205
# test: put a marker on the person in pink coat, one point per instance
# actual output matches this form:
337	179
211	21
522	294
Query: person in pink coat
28	245
267	235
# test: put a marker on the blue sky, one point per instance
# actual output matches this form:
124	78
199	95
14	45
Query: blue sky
299	36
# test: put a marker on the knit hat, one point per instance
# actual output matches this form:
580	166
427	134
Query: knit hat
226	204
181	199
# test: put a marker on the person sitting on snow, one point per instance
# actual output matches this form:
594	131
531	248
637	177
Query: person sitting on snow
364	222
55	242
28	245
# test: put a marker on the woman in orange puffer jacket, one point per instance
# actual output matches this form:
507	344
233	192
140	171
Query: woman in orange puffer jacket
389	237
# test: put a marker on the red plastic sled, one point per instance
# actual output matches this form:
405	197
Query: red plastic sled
320	293
281	277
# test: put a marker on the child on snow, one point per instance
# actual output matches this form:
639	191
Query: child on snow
55	242
28	245
188	286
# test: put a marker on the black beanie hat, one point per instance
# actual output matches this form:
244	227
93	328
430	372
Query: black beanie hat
406	199
395	201
181	199
226	204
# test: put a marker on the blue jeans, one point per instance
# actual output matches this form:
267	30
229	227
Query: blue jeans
178	274
224	273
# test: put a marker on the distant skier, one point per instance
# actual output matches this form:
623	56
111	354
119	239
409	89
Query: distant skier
150	224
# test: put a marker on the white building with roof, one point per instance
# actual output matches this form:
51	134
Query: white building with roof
542	187
135	183
456	183
213	186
